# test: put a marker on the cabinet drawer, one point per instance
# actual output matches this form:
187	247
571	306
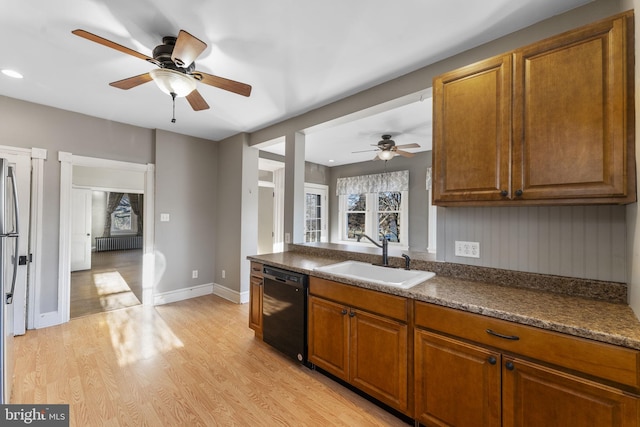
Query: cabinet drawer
609	362
378	302
256	269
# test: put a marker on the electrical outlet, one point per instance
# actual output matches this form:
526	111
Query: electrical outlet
287	237
467	249
224	274
194	274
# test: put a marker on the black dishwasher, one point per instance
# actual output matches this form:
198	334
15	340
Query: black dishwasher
284	312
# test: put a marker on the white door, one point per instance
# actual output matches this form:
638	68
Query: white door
315	212
22	168
80	229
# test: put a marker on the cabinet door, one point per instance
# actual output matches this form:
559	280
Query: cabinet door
472	128
456	384
255	304
378	364
536	396
572	128
328	336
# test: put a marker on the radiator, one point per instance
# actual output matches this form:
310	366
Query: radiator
118	243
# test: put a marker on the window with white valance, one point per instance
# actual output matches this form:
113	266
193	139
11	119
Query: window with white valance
376	205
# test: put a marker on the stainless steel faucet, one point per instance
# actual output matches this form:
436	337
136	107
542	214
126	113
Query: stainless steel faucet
384	246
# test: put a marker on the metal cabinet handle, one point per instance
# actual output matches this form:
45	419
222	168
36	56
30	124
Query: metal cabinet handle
518	193
509	366
352	313
504	193
492	360
506	337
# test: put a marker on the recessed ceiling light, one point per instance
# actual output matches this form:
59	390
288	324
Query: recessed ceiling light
331	161
12	73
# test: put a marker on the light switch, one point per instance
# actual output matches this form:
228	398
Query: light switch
164	217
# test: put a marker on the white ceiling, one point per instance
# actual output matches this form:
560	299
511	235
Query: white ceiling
297	55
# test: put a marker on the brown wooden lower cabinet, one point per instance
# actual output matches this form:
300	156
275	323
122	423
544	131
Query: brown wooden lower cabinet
447	367
366	350
456	384
534	395
462	384
255	298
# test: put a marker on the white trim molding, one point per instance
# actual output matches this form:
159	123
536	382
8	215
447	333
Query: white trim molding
35	319
182	294
230	294
67	161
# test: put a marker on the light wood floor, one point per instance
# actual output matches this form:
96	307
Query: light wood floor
114	281
190	363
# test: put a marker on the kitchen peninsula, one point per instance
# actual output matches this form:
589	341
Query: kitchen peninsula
579	335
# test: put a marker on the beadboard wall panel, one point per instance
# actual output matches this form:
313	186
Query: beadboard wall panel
576	241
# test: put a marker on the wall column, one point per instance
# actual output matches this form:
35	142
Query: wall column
294	188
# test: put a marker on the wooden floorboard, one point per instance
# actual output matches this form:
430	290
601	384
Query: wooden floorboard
190	363
113	282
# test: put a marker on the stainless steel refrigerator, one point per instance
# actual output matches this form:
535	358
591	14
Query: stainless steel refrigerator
8	270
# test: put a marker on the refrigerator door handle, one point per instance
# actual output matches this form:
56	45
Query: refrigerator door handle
15	233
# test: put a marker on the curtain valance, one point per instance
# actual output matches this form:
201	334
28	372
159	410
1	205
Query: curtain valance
376	183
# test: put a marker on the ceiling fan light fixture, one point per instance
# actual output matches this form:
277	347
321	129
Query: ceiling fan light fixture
170	81
386	155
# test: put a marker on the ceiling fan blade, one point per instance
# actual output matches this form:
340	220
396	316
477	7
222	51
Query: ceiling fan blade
404	153
132	81
113	45
222	83
187	49
408	146
362	151
196	101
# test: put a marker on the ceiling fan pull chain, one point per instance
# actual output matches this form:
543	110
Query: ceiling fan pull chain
173	97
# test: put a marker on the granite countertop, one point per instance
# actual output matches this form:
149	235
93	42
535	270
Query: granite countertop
609	321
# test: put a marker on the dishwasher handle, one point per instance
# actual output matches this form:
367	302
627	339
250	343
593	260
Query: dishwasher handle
284	277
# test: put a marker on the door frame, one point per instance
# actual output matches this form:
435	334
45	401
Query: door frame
34	270
67	161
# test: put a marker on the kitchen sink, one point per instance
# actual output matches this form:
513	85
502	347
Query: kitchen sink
363	271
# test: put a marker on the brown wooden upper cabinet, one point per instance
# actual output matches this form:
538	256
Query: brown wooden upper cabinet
551	123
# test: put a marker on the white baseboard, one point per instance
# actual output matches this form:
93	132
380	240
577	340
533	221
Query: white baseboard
51	318
230	294
182	294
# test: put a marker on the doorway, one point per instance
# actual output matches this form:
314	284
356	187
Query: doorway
68	162
106	244
315	212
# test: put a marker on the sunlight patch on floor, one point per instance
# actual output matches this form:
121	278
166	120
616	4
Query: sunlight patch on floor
110	282
113	291
138	334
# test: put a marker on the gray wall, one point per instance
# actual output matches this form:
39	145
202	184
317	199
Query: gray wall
418	194
28	125
577	241
237	213
186	188
186	183
317	174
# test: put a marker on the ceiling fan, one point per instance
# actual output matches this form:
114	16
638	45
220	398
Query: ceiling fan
176	74
387	149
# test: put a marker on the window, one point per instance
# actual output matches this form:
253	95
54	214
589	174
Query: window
389	212
121	217
356	215
376	205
